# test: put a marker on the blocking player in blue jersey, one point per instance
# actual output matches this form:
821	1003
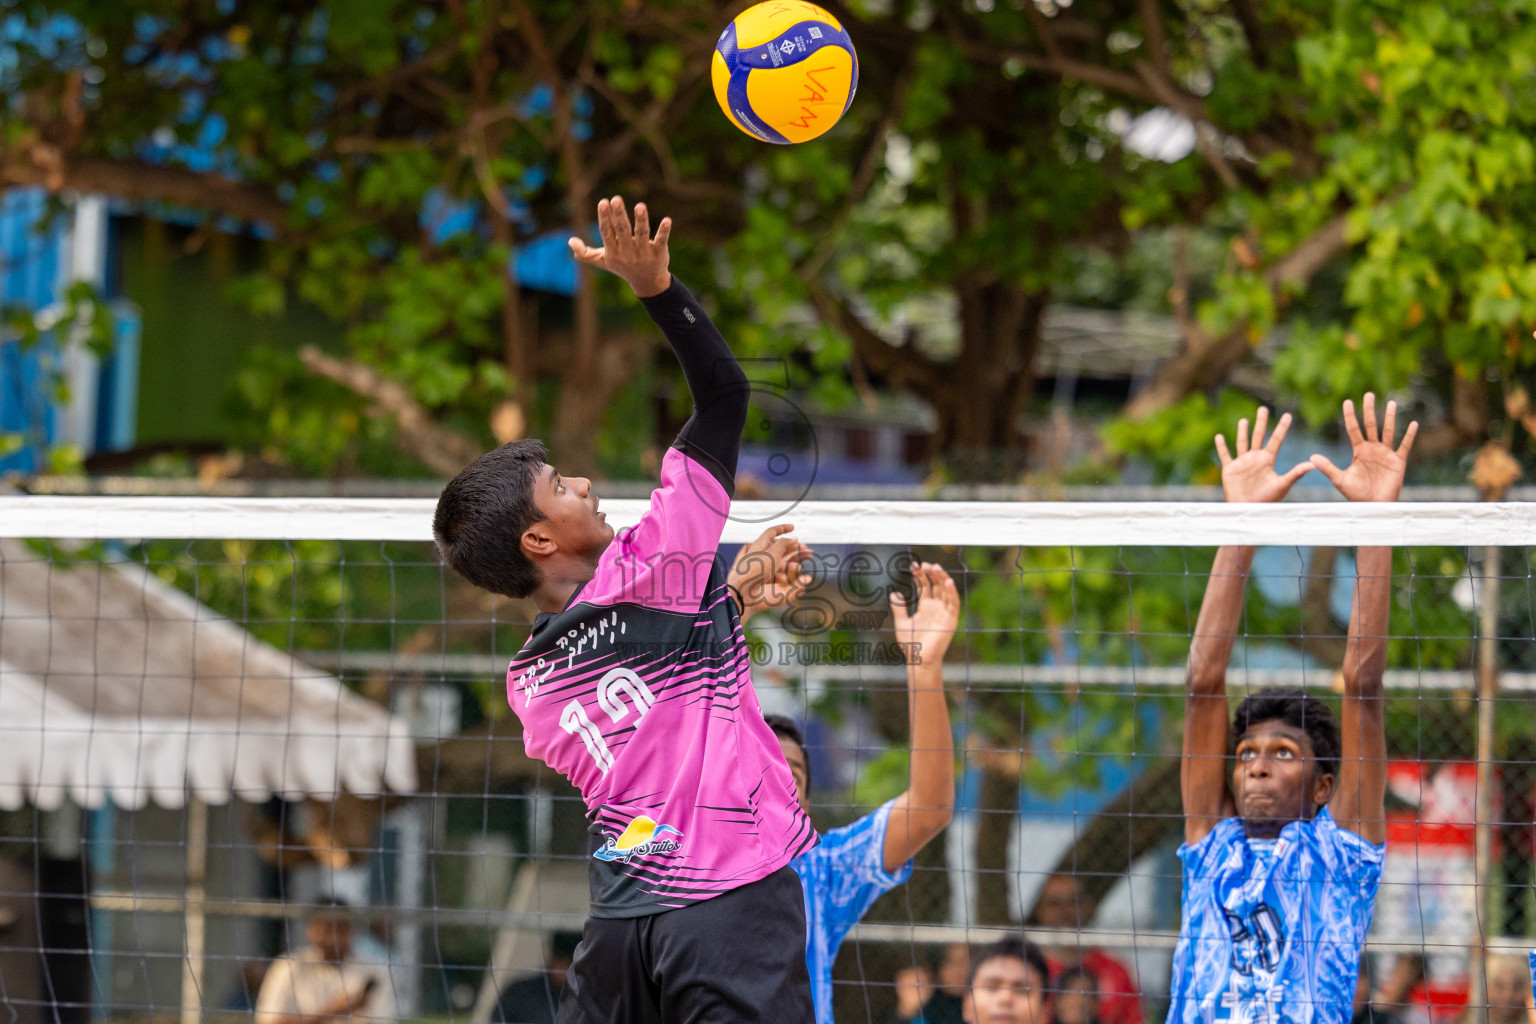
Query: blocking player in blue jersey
858	863
1283	842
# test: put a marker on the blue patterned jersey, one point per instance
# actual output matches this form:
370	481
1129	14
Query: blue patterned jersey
1272	929
842	878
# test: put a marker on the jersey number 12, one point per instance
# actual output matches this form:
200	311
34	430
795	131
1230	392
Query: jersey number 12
611	691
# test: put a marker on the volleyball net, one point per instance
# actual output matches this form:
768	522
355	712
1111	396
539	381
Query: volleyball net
225	720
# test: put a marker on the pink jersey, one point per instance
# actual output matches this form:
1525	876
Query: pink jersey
640	693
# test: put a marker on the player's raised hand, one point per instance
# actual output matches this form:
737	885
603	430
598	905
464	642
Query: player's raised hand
768	572
1250	475
629	250
1375	473
933	623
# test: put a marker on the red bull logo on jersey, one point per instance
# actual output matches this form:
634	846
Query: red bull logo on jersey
643	836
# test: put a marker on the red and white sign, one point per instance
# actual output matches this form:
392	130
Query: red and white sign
1428	886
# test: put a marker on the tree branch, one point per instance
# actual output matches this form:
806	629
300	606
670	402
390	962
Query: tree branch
382	84
442	450
901	366
1118	81
1308	258
1253	28
144	182
1157	42
1205	358
1042	26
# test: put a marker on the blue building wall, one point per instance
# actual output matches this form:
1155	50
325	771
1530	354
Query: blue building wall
34	254
30	255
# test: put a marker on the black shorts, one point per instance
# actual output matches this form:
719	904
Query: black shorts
735	959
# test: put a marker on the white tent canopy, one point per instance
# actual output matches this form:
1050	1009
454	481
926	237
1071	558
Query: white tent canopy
116	686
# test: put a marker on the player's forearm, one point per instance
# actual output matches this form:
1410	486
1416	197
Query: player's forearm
1221	610
715	379
1365	653
931	786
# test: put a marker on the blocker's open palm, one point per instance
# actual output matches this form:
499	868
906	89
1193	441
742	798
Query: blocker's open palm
1250	475
628	249
1375	473
933	623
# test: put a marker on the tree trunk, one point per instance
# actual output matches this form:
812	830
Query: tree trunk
980	398
583	398
514	336
1205	360
999	808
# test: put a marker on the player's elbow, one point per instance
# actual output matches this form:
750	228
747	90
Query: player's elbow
1206	680
931	812
928	826
1367	683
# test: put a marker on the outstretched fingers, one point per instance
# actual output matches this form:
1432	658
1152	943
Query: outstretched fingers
1352	424
642	223
1389	425
1221	450
1408	436
584	253
1278	437
1260	423
1332	472
1370	416
622	229
1242	437
948	593
775	532
664	231
922	582
1295	473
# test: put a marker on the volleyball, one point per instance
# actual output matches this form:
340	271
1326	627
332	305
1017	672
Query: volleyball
784	71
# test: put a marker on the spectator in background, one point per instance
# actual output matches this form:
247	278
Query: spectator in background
944	1004
1509	992
1075	998
242	998
1063	905
856	864
324	981
1366	1012
914	987
1400	995
1007	984
534	1000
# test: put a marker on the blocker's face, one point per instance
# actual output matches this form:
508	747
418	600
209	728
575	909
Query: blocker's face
1006	991
799	768
1507	987
1275	780
571	513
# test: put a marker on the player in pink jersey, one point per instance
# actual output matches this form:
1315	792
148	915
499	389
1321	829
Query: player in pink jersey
634	684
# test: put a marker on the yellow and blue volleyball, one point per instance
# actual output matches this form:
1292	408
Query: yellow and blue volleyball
784	71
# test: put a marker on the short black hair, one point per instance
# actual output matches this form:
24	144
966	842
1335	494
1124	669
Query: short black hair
1015	947
785	728
1073	974
481	516
562	945
1297	708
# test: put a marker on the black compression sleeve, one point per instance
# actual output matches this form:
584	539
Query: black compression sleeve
712	435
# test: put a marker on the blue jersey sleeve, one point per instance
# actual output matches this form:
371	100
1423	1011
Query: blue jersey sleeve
1350	857
842	879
